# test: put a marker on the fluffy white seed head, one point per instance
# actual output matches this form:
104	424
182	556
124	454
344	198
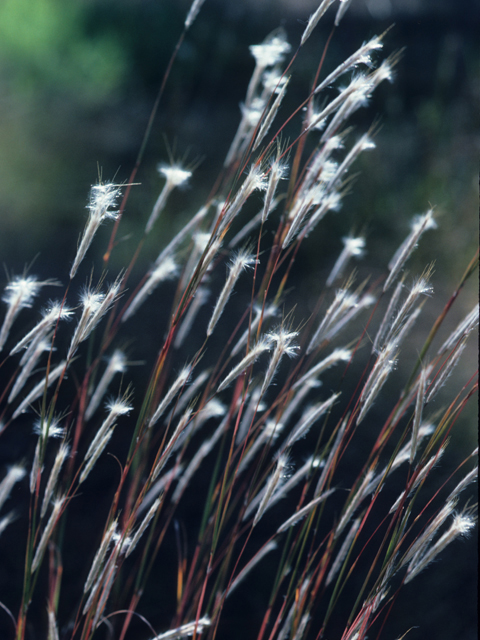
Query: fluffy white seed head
352	247
18	294
91	301
49	429
174	174
384	72
102	198
118	407
284	345
462	525
273	81
21	291
272	51
363	56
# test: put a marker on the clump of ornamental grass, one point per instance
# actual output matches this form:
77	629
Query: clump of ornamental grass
234	461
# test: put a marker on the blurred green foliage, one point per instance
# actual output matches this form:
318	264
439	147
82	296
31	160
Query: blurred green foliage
44	46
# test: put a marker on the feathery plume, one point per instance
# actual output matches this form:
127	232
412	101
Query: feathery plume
420	224
116	364
352	247
60	458
461	526
102	198
161	272
40	388
143	525
241	261
158	487
179	383
344	301
95	453
268	435
50	316
6	520
255	181
15	473
269	312
197	459
278	171
19	294
192	14
184	232
100	556
359	494
418	412
271	52
344	549
344	4
40	347
270	116
175	176
270	546
463	329
314	19
201	296
118	407
283	346
307	468
470	477
301	513
338	355
91	303
419	478
362	56
379	341
272	484
420	287
424	538
263	344
447	369
47	532
310	416
179	430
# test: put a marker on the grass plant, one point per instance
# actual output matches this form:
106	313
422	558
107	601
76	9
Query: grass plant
259	447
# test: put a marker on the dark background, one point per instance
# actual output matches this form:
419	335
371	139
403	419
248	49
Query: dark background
77	84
